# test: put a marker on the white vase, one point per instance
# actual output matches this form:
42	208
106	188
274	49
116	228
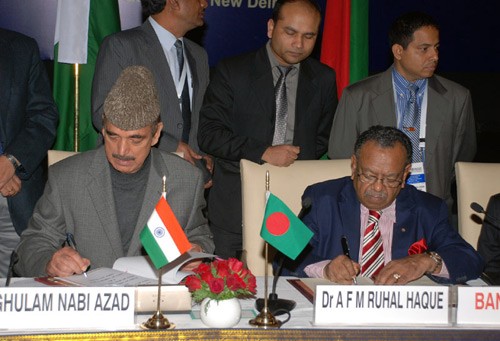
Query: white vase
220	314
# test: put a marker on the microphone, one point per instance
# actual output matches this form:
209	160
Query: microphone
279	306
493	221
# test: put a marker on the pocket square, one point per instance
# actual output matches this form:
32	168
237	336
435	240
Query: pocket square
417	247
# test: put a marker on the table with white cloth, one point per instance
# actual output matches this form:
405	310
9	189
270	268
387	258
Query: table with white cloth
299	327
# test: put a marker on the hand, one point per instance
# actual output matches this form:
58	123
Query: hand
66	262
405	270
189	153
12	187
210	166
341	270
7	171
282	155
191	265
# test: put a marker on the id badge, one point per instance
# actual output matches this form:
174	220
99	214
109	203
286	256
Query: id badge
417	176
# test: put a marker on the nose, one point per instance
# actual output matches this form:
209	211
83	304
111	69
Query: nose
122	146
378	185
435	54
298	42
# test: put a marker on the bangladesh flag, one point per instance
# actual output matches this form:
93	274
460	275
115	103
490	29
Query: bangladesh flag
163	237
282	229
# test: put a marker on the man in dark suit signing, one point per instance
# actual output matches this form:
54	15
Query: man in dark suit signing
443	128
396	233
273	105
179	65
28	121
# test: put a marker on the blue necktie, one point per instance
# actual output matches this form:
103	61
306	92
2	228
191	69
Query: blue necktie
185	100
411	123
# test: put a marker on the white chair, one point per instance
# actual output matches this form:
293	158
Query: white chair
287	183
476	182
54	156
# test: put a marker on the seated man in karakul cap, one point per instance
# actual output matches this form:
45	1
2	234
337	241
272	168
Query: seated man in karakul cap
104	197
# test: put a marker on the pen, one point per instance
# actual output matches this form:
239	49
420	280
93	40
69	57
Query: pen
345	249
70	240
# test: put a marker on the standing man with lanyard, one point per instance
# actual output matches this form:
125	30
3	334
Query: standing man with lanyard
179	65
434	112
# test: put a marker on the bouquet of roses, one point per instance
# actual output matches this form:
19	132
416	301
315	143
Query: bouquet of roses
221	280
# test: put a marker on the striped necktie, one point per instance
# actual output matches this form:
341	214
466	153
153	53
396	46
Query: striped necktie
411	123
184	100
372	256
281	106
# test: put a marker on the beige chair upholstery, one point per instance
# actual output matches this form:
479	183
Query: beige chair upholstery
288	183
476	182
54	156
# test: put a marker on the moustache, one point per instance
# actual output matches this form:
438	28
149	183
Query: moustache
374	194
123	157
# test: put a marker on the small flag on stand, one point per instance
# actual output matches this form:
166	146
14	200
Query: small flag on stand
163	237
282	229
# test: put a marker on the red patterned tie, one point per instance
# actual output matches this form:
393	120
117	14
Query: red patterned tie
372	256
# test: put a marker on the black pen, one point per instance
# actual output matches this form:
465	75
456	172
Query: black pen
345	249
70	240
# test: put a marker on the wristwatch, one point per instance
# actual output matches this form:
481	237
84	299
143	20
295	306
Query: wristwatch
15	162
437	259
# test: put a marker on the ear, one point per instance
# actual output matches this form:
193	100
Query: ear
405	174
174	4
397	51
353	166
270	28
157	134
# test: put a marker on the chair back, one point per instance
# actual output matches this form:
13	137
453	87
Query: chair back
476	182
287	183
54	156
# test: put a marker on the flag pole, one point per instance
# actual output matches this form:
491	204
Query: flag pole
266	319
158	321
76	119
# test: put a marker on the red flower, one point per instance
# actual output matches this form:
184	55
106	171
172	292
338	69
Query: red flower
216	285
202	268
193	283
234	282
234	265
222	268
252	284
417	247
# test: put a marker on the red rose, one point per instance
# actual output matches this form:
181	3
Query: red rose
417	247
216	285
234	282
235	265
252	284
202	268
222	268
206	276
193	283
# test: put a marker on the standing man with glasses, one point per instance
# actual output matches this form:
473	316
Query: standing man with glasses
274	105
179	65
396	233
434	112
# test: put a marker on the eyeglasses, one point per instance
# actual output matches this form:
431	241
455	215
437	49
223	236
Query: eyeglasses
370	180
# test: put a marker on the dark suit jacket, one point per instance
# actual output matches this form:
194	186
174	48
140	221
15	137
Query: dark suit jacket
78	198
140	46
450	128
28	119
237	122
335	211
489	240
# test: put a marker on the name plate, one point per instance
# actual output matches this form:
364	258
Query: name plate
381	304
478	305
66	307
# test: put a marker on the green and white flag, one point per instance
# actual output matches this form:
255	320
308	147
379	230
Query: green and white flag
282	229
80	28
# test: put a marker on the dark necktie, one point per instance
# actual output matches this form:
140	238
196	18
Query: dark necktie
372	255
411	123
281	106
185	101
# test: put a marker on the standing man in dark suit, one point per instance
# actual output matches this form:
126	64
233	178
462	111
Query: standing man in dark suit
396	233
179	65
445	129
28	122
242	118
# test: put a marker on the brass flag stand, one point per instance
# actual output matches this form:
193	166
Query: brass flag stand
158	321
266	319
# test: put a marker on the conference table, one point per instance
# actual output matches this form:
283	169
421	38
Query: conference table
299	327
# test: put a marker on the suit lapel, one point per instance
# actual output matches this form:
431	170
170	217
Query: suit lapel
383	103
307	88
349	218
437	114
405	220
101	195
151	197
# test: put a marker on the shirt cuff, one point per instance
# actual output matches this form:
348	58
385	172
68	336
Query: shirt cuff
315	270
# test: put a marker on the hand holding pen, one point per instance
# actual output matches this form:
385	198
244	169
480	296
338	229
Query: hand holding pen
67	261
347	253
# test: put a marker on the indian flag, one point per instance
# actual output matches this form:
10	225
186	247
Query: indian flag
163	237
